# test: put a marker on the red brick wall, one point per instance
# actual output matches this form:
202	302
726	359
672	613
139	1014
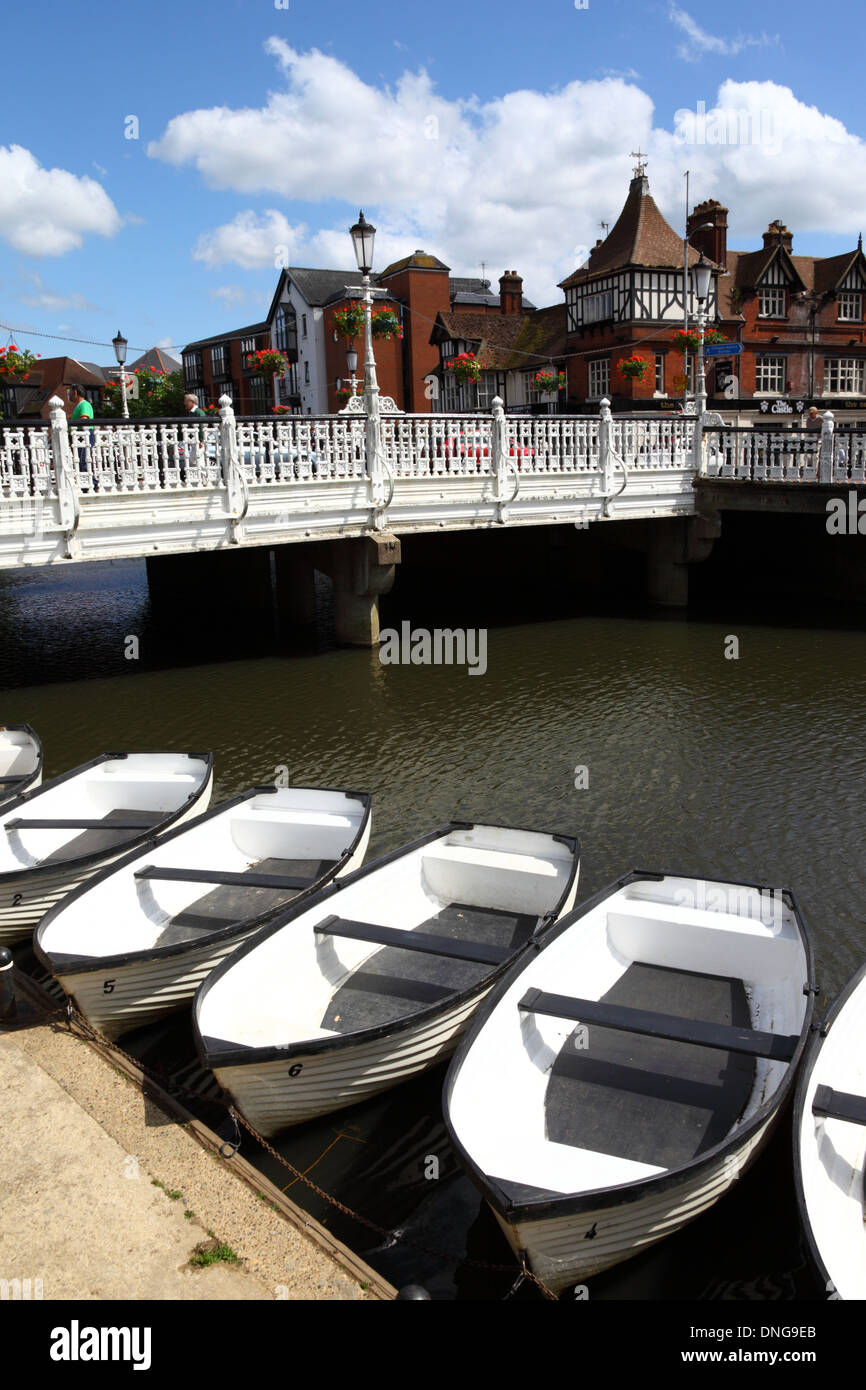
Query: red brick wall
424	293
388	353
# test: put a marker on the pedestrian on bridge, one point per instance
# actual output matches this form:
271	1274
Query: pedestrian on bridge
83	410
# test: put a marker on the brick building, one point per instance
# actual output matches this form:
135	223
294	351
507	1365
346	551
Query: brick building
214	367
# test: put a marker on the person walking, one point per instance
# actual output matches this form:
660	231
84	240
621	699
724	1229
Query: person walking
193	407
82	410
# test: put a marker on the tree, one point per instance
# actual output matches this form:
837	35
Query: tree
159	394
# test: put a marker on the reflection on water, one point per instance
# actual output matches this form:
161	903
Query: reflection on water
750	769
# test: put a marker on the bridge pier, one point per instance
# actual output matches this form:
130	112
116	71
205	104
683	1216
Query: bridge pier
362	569
673	544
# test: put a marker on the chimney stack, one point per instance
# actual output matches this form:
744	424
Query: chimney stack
510	292
777	234
712	240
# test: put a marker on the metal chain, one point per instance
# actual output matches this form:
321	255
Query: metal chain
524	1274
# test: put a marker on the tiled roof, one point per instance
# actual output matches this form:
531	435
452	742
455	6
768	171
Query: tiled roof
505	341
250	331
640	236
156	357
419	260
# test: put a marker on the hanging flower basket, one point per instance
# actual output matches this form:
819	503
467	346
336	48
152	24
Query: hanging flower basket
348	320
386	324
549	383
690	341
465	367
634	368
16	362
344	394
267	362
281	410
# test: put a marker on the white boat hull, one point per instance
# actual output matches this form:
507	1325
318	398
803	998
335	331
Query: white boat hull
830	1153
562	1254
126	994
27	895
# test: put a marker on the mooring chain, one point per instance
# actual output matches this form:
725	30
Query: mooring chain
523	1274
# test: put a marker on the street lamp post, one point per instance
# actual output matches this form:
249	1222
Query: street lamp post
119	344
701	276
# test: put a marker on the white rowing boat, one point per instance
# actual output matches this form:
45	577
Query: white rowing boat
53	838
20	760
136	942
830	1143
373	980
622	1077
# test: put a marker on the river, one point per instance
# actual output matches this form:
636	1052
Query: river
751	768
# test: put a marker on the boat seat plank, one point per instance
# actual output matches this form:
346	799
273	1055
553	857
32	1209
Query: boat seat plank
31	823
395	982
646	1096
233	903
102	835
776	1046
413	941
839	1105
13	781
247	879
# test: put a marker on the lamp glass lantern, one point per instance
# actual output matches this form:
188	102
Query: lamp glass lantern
352	360
701	275
363	235
119	345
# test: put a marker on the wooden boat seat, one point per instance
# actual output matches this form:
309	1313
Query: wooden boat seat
667	1090
100	835
839	1105
420	967
238	896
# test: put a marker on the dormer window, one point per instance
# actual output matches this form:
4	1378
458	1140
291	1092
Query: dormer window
850	307
771	303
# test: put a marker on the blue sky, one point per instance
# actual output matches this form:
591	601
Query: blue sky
496	133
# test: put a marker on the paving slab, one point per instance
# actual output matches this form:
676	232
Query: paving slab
87	1166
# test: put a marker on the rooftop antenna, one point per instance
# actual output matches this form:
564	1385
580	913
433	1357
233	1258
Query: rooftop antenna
483	271
605	227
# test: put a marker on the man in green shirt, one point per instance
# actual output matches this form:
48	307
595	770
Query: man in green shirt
193	407
82	411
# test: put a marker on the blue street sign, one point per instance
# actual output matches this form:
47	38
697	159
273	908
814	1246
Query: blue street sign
722	349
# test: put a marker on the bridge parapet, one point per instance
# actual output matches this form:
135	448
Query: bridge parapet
139	486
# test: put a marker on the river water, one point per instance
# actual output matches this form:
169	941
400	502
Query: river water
751	768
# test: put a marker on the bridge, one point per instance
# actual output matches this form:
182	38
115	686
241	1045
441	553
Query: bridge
142	488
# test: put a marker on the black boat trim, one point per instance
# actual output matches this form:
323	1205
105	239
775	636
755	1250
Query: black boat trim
569	1204
778	1047
81	965
221	1052
7	799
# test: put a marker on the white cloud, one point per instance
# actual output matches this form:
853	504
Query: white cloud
41	297
251	241
698	41
47	212
166	342
519	181
229	294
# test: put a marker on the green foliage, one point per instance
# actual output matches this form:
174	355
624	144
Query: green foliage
159	394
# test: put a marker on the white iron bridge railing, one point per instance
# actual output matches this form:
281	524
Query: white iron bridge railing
118	488
822	455
138	456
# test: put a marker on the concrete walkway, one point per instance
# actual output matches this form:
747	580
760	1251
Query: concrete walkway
104	1196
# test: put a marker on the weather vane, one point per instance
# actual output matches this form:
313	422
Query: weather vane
640	168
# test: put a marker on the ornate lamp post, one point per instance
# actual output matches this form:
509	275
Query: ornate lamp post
701	276
119	344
